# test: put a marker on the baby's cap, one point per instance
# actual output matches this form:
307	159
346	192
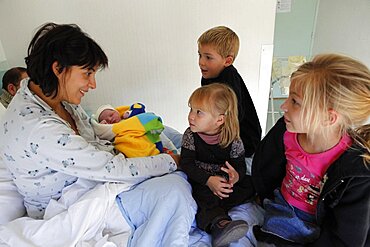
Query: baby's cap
101	109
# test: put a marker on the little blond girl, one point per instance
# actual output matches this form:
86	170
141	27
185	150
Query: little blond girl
314	163
212	156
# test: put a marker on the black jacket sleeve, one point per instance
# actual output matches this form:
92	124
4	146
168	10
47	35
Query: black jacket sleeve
347	221
268	166
238	162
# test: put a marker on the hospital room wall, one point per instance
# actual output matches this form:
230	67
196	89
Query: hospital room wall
321	26
343	27
151	46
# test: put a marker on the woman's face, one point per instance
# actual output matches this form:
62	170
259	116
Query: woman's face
75	82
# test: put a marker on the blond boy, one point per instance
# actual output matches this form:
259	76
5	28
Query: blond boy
217	49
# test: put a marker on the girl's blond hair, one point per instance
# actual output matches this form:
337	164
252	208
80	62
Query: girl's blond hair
219	99
340	83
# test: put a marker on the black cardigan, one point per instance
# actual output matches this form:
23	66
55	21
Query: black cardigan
343	209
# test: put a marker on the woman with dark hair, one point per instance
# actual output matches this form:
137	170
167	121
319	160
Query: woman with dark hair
48	144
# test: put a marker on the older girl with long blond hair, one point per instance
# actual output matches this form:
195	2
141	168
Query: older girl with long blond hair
313	166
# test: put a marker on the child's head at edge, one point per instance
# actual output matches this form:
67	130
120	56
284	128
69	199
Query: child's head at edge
12	78
220	101
335	83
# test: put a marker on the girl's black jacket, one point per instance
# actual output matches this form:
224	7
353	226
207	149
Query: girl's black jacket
343	209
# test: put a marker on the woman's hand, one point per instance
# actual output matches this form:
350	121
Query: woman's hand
219	186
233	175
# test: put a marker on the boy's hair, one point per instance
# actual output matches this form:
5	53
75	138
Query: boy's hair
340	83
13	76
66	44
223	39
219	99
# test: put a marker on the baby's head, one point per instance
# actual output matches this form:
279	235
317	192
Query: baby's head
106	114
221	44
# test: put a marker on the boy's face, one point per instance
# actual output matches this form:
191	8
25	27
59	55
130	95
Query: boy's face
211	63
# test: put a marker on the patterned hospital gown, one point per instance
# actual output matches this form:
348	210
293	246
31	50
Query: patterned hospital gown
44	155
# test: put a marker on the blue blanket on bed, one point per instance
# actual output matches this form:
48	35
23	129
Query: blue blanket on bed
150	231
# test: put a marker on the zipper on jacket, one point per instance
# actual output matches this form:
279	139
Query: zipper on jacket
323	197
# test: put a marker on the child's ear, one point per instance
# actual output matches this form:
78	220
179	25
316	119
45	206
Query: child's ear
220	120
12	89
229	60
332	117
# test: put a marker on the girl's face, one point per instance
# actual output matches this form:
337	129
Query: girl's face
109	116
292	108
75	82
211	63
203	121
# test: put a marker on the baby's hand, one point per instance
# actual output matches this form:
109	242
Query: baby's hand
103	122
233	175
219	186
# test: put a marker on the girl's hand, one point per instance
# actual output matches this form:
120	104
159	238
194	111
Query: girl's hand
233	175
219	186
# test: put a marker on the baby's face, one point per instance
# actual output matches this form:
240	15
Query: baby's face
109	116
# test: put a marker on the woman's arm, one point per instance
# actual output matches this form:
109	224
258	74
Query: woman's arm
62	150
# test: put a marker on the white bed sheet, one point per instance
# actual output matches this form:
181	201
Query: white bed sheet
82	224
11	202
77	219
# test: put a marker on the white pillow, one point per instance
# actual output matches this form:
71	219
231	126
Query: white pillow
11	202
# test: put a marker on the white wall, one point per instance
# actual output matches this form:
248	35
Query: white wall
151	46
343	27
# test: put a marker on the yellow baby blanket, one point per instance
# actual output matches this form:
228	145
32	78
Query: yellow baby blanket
138	136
